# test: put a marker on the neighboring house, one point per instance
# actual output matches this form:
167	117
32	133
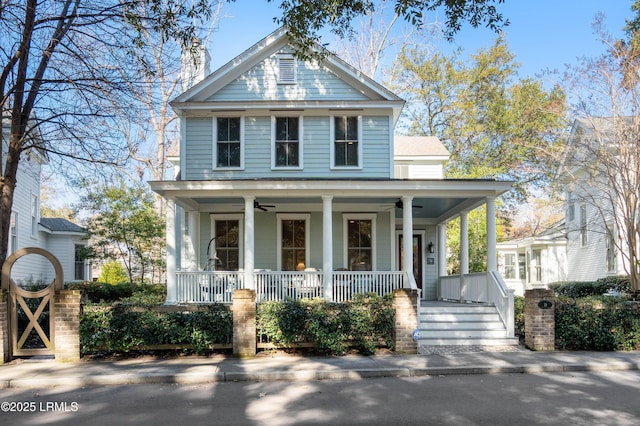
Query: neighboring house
290	181
533	262
62	238
593	242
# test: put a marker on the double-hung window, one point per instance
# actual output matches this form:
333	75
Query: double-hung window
287	142
346	141
293	235
227	244
360	242
583	225
228	142
510	265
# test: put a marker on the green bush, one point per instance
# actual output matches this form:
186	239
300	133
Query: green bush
518	314
113	273
597	323
123	327
364	323
579	289
98	292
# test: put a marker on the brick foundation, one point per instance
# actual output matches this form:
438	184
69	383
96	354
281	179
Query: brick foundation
540	323
244	323
405	304
67	325
5	343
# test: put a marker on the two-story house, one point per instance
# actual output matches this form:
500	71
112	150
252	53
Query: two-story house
594	180
291	182
64	239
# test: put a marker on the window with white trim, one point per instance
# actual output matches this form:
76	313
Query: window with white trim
571	208
583	225
293	237
286	70
510	265
611	249
228	239
228	142
360	242
286	139
13	232
346	141
34	215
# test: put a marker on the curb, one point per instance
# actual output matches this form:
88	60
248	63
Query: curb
308	375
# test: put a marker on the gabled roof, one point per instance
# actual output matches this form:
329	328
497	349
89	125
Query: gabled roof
61	226
419	146
196	97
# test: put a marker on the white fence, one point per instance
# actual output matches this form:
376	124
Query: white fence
218	286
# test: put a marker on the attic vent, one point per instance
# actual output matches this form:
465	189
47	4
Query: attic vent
286	70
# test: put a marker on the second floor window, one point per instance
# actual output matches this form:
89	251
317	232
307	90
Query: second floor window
287	142
346	141
228	150
583	225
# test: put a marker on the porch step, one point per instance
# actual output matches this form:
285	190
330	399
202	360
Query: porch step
462	324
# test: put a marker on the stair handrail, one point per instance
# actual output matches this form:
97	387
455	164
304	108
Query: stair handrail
503	301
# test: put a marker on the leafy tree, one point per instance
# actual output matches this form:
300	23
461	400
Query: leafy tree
59	75
126	227
494	124
305	18
113	273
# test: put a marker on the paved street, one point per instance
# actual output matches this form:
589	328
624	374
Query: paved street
581	398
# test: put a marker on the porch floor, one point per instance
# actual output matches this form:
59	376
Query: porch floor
448	303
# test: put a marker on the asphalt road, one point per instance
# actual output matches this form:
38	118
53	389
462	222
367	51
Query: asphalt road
601	398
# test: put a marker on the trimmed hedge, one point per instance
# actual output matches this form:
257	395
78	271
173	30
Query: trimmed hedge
122	328
579	289
597	323
97	292
364	323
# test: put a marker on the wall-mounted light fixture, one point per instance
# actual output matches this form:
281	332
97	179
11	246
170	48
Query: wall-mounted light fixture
431	248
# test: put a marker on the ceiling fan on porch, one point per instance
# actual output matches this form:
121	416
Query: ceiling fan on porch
259	206
263	207
399	204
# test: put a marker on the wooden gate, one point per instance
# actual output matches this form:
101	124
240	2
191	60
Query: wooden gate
32	314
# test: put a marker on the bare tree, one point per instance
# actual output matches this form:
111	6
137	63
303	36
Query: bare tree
601	167
59	68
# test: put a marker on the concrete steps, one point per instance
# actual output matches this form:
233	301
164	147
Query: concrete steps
462	324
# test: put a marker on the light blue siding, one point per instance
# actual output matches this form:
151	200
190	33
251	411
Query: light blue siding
313	83
316	150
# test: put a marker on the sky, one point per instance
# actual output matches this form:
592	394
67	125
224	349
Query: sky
543	34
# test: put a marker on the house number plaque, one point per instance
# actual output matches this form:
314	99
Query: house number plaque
545	304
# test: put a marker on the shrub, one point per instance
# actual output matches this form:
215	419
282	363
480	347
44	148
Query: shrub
123	327
597	323
518	314
98	292
113	273
579	289
364	323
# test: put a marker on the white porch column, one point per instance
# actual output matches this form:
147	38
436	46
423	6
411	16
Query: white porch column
171	253
442	249
327	245
249	247
464	243
193	246
492	254
464	252
407	238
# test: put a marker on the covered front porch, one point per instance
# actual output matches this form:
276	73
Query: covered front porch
316	238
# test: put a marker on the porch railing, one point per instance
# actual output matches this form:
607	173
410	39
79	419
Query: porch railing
348	283
280	285
483	287
218	286
207	286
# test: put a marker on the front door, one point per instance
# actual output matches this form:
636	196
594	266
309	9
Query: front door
417	257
